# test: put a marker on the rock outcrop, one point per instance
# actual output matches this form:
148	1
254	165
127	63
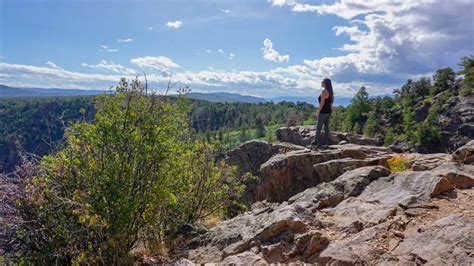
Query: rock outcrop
284	175
465	154
344	206
303	135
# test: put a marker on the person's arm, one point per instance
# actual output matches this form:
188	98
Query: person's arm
324	95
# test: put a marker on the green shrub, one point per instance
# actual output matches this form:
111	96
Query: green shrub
398	163
429	132
389	137
133	176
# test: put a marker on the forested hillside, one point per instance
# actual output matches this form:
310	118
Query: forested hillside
432	114
36	125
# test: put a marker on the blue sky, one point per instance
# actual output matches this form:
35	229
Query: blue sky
263	48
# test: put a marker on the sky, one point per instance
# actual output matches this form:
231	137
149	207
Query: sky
265	48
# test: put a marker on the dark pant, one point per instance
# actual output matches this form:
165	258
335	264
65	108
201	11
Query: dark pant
322	120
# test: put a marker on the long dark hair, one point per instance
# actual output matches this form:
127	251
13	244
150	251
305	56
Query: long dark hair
328	85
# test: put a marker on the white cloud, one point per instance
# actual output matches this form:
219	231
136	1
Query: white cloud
281	2
221	51
174	24
292	80
108	49
227	11
393	39
111	66
231	56
160	63
208	51
150	28
52	65
271	54
125	40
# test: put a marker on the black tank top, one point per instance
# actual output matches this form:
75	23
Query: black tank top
327	105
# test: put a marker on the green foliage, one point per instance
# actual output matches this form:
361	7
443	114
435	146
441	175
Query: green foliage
421	88
467	70
389	137
429	132
408	119
357	111
356	129
398	163
443	80
371	126
37	125
260	128
135	174
337	118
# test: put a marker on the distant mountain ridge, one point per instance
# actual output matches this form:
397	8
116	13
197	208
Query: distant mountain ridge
225	97
12	92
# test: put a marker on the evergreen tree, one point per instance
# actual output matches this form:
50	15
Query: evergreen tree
243	134
356	129
389	137
467	70
443	80
408	120
429	132
371	126
260	128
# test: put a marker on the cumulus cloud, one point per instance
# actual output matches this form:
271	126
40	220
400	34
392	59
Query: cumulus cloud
174	24
160	63
231	56
125	40
281	2
227	11
110	66
388	43
393	38
296	79
271	54
52	65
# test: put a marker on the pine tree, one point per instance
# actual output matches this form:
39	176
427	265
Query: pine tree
443	80
260	128
389	137
467	70
371	126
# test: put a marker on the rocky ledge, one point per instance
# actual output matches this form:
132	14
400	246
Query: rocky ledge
344	206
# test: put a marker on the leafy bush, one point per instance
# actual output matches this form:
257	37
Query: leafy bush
398	163
131	177
429	132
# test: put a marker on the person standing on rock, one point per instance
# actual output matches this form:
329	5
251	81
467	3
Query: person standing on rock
323	114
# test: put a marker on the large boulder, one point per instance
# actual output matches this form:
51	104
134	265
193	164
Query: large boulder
279	232
303	135
364	216
285	175
447	241
465	154
423	162
250	155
